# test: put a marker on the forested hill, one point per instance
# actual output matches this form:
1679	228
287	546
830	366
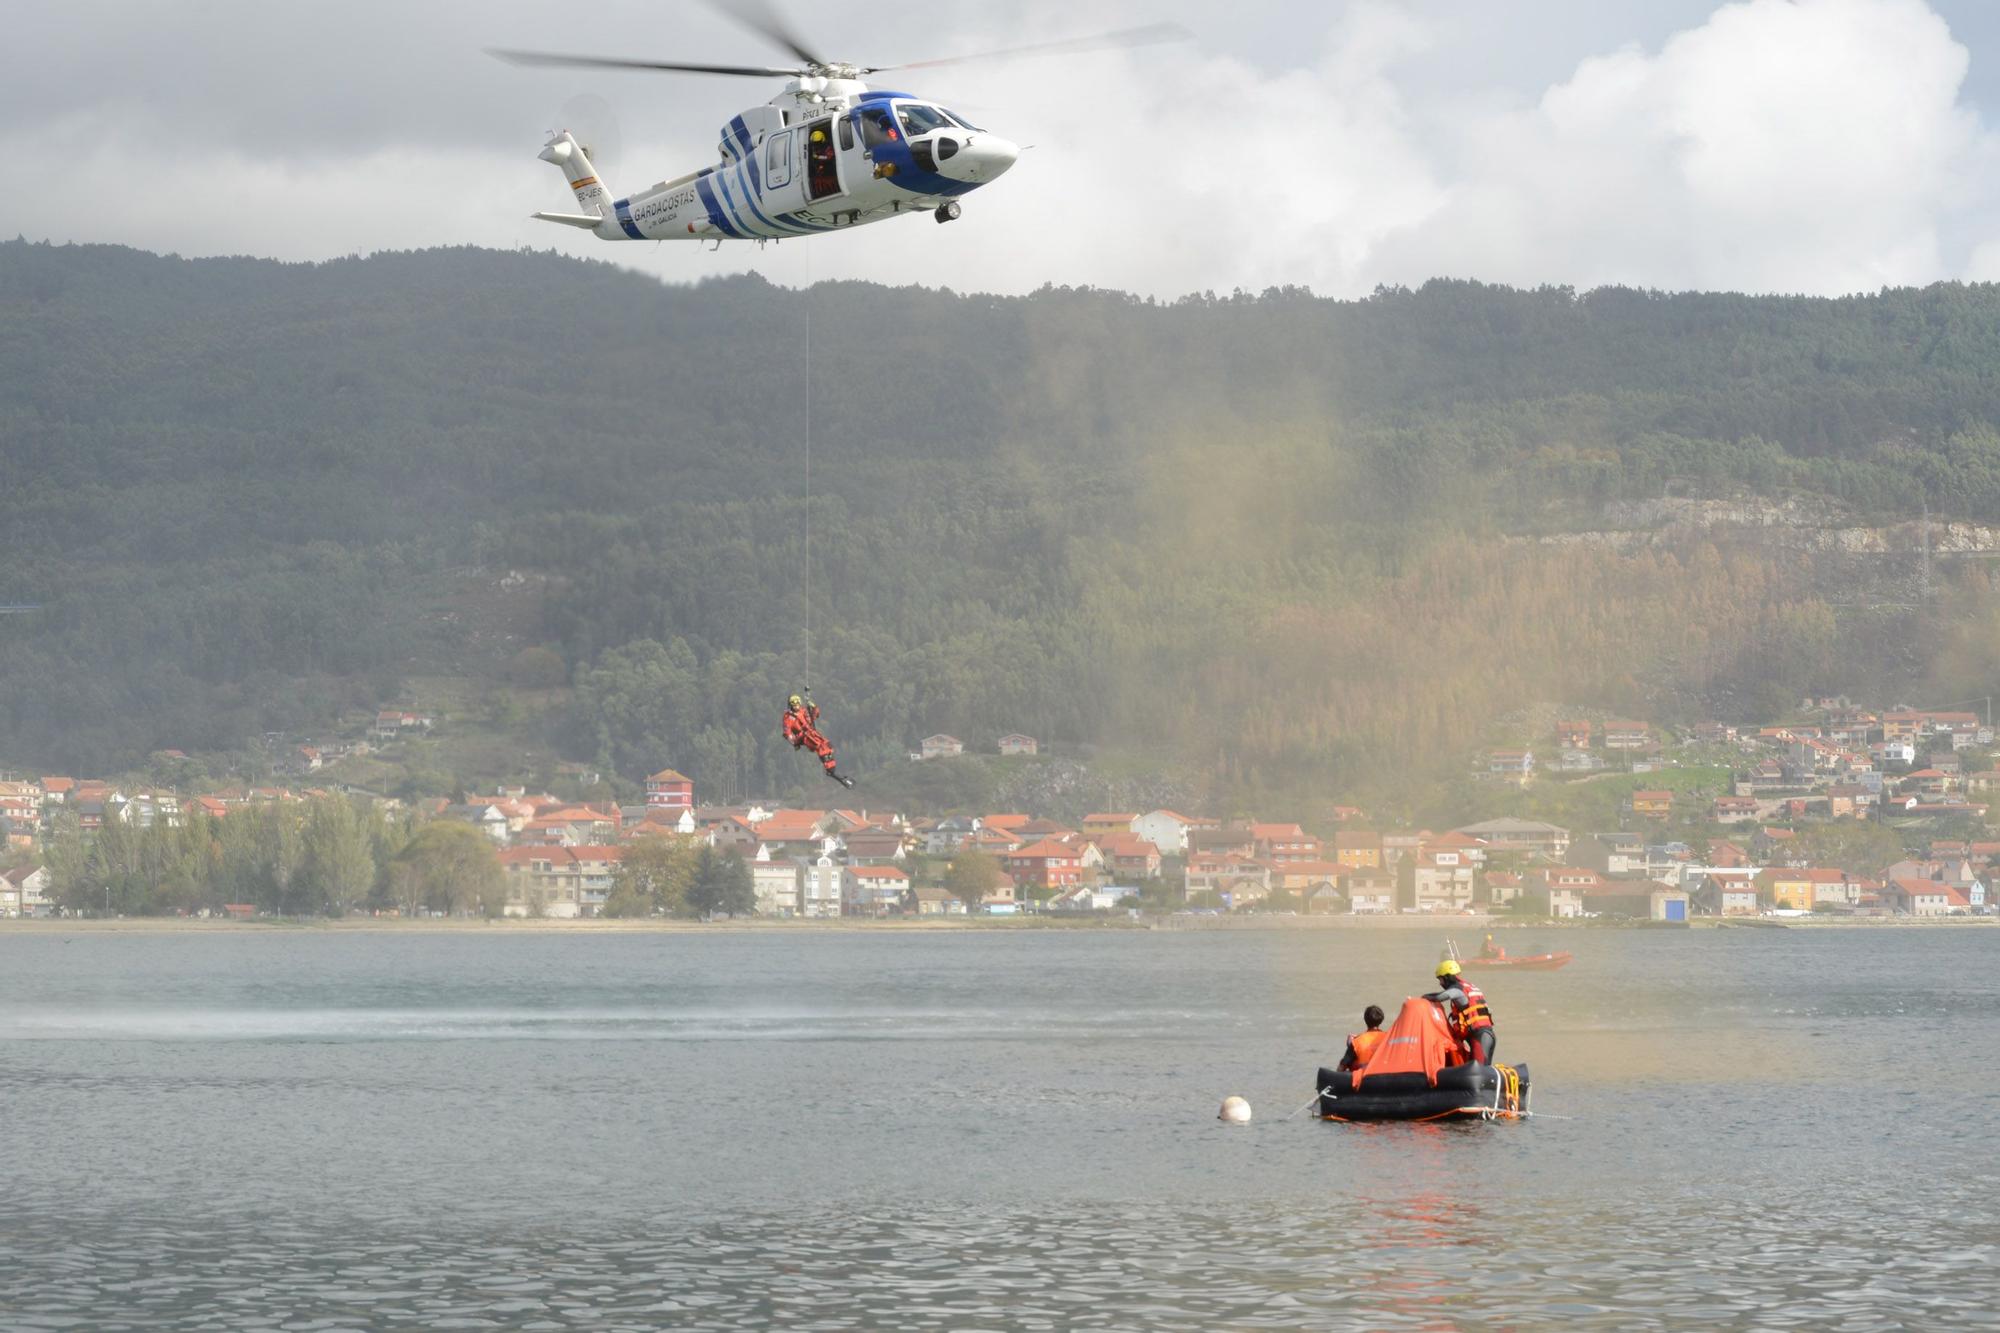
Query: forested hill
1252	537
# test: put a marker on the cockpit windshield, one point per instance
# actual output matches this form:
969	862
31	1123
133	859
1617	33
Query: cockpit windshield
919	119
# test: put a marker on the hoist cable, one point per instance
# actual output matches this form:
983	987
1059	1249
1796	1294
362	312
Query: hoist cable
807	682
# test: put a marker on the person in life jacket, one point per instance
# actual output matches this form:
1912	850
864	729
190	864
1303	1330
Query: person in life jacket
802	730
1491	950
1361	1046
1465	1009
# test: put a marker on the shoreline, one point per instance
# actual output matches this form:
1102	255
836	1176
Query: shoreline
618	925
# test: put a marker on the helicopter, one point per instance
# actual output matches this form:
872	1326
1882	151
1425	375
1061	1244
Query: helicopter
828	153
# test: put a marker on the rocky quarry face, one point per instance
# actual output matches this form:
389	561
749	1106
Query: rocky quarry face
1807	524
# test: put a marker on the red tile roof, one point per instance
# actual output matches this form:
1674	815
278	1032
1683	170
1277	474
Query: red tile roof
1046	849
1125	844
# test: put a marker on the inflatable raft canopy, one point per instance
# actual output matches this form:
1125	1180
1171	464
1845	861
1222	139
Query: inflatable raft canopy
1410	1079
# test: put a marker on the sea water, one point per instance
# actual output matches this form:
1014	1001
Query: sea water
248	1128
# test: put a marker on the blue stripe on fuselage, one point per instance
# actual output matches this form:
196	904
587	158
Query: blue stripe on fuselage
623	208
729	202
742	133
715	216
746	180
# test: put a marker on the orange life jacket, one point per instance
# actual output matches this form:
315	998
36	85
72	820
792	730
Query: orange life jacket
1475	1015
1364	1044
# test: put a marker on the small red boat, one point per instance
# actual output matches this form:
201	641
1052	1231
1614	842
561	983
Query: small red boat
1533	962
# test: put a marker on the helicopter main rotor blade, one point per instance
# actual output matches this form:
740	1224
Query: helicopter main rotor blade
614	62
759	17
1148	35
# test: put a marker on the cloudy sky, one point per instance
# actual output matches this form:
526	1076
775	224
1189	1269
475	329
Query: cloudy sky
1767	145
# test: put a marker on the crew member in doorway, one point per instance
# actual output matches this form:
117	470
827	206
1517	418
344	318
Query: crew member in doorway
819	164
802	730
1361	1046
1465	1010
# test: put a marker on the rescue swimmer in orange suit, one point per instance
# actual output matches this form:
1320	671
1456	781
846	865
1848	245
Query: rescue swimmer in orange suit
1465	1010
802	730
1362	1045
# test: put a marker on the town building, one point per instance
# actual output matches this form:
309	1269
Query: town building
873	890
1358	849
1369	892
1627	734
1046	866
1167	829
670	789
1440	881
1508	834
775	884
940	747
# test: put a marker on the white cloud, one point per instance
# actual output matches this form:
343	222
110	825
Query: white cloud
1790	145
1815	146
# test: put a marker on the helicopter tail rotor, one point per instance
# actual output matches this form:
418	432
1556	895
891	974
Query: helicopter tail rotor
594	124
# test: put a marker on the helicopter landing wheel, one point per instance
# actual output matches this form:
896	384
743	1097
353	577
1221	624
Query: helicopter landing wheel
948	211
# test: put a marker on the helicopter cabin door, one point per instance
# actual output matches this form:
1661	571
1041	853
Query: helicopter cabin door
822	165
854	158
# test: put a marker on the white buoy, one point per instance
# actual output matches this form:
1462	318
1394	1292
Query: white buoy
1235	1111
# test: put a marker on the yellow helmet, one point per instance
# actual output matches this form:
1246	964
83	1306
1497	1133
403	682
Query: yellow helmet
1448	968
795	701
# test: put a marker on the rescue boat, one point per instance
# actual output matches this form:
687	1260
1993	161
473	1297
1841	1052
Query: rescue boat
1410	1077
1533	962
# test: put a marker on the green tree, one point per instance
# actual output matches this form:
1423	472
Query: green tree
971	875
69	862
451	867
336	856
655	875
721	885
1860	847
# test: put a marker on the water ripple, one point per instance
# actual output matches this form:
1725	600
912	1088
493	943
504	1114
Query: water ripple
1144	1267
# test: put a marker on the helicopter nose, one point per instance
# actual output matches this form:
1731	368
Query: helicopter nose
977	158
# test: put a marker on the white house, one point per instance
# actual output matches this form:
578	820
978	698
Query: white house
22	891
820	886
1165	829
874	890
776	884
1373	900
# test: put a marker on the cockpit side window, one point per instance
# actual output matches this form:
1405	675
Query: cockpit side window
877	127
919	119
